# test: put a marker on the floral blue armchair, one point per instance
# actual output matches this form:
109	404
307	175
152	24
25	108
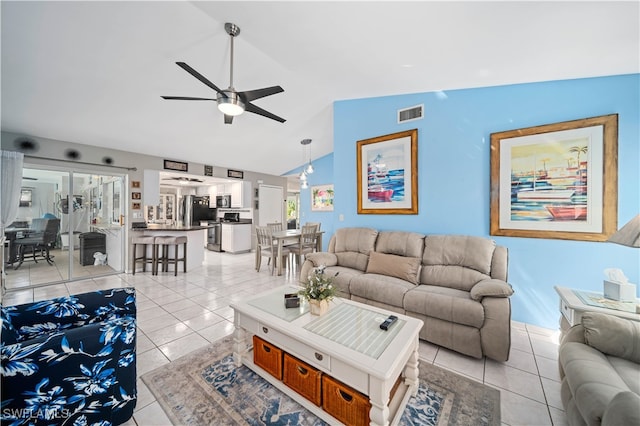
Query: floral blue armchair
70	360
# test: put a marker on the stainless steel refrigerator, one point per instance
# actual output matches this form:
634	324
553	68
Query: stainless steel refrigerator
196	209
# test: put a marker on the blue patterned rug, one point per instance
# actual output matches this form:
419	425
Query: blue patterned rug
205	387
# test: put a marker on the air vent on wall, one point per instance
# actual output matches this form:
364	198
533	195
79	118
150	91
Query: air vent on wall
411	113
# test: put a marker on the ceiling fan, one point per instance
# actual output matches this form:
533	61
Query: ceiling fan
184	180
231	102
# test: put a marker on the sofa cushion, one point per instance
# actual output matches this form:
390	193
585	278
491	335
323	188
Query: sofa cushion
405	268
624	409
409	244
447	304
628	371
343	280
380	288
612	335
456	261
352	246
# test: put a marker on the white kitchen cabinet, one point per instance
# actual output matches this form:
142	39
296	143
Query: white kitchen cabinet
241	194
163	212
236	238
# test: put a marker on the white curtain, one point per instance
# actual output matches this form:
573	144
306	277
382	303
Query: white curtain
10	185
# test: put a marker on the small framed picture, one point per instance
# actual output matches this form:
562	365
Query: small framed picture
135	184
136	195
135	206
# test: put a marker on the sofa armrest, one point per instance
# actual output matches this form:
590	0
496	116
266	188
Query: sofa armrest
491	288
574	334
322	258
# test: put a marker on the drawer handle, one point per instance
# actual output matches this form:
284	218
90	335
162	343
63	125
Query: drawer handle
265	330
302	371
266	348
319	356
345	396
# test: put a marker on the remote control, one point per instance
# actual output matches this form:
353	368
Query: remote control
388	322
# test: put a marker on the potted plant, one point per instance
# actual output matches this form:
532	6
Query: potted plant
319	290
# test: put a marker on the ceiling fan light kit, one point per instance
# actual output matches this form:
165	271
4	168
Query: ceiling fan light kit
230	102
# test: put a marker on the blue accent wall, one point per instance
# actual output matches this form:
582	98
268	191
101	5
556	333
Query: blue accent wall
454	175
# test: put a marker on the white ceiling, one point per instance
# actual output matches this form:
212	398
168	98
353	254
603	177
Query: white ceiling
93	72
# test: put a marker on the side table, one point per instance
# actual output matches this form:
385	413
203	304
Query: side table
572	307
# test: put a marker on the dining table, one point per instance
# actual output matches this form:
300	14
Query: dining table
289	235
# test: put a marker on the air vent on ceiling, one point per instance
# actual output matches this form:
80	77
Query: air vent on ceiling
411	113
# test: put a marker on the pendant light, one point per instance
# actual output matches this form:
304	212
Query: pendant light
305	143
308	169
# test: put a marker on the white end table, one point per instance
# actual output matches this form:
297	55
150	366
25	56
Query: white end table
572	307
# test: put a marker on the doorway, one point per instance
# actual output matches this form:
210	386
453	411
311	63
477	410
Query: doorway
270	201
89	237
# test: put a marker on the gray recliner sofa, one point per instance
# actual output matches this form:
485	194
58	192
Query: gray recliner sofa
600	369
457	285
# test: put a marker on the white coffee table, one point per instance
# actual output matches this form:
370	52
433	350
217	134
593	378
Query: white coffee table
355	352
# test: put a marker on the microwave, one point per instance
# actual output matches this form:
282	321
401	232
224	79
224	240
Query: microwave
223	201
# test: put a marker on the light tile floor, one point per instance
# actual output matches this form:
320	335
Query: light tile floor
177	315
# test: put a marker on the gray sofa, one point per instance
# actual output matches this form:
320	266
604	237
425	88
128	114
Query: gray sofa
457	285
600	369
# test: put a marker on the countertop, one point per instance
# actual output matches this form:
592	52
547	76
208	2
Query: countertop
170	228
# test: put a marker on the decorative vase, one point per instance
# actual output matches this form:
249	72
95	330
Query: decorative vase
318	307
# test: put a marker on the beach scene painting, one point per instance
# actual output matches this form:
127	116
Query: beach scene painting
322	198
549	181
556	180
387	175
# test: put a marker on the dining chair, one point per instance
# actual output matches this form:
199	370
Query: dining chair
308	241
266	247
38	243
275	226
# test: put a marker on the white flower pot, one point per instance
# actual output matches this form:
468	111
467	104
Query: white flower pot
318	307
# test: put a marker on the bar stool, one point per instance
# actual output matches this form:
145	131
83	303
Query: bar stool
165	259
144	241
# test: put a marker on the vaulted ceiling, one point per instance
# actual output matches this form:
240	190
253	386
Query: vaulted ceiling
93	72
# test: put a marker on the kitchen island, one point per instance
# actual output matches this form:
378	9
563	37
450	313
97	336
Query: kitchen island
195	239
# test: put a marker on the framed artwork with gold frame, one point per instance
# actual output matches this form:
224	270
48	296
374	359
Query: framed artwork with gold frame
556	181
387	174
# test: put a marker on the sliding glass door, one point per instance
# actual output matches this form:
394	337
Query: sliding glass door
85	238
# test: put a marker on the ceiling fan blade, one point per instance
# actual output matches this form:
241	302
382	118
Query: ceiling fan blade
228	119
185	98
200	77
257	110
251	95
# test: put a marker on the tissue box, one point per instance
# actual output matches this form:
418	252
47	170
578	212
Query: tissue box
619	291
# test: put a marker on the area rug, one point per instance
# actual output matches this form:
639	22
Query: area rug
206	388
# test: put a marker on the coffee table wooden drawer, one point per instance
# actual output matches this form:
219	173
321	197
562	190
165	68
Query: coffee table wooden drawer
314	357
267	356
303	378
344	403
